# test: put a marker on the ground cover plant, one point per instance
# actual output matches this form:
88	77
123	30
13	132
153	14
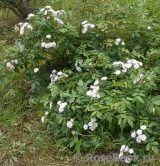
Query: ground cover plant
93	73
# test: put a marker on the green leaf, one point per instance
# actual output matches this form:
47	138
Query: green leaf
156	102
155	149
109	118
15	159
130	122
80	83
99	115
140	99
151	108
148	147
71	144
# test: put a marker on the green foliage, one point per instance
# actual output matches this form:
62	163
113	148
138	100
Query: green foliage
126	33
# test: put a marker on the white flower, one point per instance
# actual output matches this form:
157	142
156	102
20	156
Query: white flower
16	61
48	36
73	132
8	64
84	30
61	109
63	105
59	73
92	26
85	126
72	120
127	65
50	105
89	93
123	43
96	82
128	159
121	154
45	13
143	127
84	22
16	28
59	21
93	120
149	27
48	7
126	149
139	131
78	69
43	118
46	113
59	102
69	124
123	147
138	139
104	78
22	31
118	72
131	151
22	46
60	12
90	124
136	66
43	44
143	137
116	43
36	70
119	63
140	63
118	40
30	16
41	10
133	134
12	67
29	27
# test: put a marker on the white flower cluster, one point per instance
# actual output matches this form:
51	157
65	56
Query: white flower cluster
43	117
55	76
92	125
48	10
93	92
30	16
118	41
36	70
104	78
61	106
78	65
87	25
23	26
125	66
140	137
73	132
21	47
138	79
70	123
149	27
11	64
48	45
125	149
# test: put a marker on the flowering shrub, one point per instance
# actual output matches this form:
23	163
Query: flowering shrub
102	74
